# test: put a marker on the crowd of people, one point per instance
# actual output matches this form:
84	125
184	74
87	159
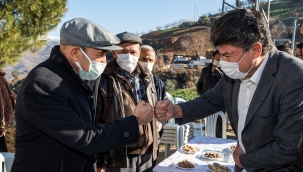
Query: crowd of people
75	112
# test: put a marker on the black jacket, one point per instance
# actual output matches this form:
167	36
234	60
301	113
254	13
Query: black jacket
208	79
160	88
55	121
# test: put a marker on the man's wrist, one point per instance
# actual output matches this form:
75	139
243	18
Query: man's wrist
138	119
177	112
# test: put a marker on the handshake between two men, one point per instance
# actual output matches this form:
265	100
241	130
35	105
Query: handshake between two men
163	111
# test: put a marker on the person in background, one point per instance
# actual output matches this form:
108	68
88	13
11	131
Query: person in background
299	50
261	90
7	108
55	108
209	77
148	59
285	48
124	83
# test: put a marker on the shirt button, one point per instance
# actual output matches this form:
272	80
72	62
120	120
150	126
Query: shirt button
126	134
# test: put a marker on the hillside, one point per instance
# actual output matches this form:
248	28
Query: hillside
195	39
30	60
190	40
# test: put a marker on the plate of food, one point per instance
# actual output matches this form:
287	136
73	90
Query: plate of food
189	149
212	155
186	165
216	167
232	147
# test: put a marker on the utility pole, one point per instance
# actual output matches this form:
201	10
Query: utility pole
195	13
293	41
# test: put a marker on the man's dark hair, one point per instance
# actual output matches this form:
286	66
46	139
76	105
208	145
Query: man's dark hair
300	45
241	28
285	48
215	53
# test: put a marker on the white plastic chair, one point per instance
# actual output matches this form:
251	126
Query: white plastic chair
171	135
6	159
210	124
178	100
170	98
186	133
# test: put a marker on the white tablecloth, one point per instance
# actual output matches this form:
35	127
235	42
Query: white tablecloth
203	143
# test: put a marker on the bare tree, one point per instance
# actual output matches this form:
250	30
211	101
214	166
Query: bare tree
238	4
226	7
166	26
277	29
142	33
244	3
219	10
158	28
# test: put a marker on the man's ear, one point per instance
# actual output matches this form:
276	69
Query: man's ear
257	50
114	53
75	52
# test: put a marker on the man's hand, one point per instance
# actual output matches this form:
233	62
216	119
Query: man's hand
238	151
101	169
164	110
144	112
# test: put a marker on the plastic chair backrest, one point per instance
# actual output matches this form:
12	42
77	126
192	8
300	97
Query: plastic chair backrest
178	100
210	124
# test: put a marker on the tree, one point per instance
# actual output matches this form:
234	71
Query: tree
15	74
166	26
219	10
158	28
277	29
204	19
24	25
238	4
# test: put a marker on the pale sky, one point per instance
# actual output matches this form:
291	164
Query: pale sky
137	16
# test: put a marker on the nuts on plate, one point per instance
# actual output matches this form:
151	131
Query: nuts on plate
188	149
212	155
186	164
216	167
233	148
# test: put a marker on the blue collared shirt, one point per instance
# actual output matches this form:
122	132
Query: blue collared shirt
137	83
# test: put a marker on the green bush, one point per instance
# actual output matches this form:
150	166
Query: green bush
184	94
169	85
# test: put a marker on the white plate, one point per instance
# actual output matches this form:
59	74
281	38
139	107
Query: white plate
220	154
195	164
217	171
196	150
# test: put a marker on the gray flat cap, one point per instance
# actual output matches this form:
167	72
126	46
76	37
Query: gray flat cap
86	33
129	37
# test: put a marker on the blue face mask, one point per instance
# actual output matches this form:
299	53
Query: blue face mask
95	69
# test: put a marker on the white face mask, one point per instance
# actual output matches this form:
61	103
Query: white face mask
216	63
231	69
94	71
149	66
127	62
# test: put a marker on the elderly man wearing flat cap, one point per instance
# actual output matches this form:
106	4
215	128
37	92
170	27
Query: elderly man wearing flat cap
55	110
124	83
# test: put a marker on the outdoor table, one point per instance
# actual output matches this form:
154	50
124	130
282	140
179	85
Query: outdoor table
203	143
